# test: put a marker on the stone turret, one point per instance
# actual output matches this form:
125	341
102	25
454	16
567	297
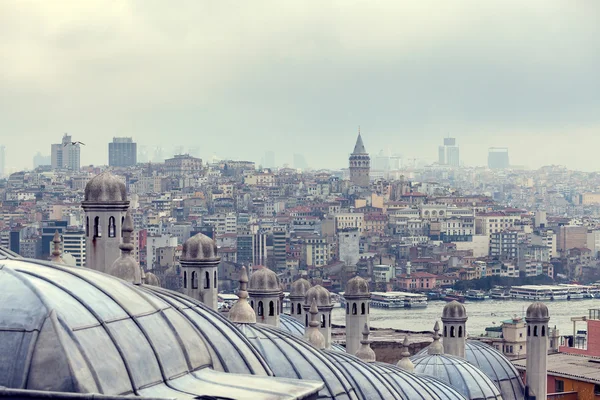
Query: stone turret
56	253
324	305
126	267
313	334
241	312
264	291
405	363
199	262
537	317
105	204
454	318
365	352
358	298
435	347
297	297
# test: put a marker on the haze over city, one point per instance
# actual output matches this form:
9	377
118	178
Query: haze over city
301	76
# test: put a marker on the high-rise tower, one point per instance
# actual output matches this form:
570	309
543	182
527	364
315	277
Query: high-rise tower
360	164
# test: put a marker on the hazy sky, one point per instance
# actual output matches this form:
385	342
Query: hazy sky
237	78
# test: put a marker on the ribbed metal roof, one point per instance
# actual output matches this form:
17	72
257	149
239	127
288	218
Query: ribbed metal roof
66	329
496	366
463	376
292	325
290	356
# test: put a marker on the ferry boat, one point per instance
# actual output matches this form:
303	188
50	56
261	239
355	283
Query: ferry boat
415	300
387	299
499	293
398	300
539	292
452	297
476	295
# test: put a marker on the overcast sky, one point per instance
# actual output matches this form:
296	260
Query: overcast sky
238	78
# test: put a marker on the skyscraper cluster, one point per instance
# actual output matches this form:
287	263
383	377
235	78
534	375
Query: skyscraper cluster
448	154
66	155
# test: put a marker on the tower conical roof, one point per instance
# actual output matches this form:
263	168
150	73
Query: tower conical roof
359	147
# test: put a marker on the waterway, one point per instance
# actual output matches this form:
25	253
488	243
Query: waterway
481	314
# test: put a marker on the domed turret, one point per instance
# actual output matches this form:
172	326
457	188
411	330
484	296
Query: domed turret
313	334
241	312
126	267
537	318
405	363
297	295
199	261
322	298
537	311
264	291
105	204
105	188
358	298
454	318
151	279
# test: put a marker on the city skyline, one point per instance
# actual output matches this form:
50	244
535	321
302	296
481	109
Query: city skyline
238	81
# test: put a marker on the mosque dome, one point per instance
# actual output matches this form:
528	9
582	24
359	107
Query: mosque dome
537	310
321	296
497	367
463	376
263	280
454	310
105	188
357	286
199	248
299	288
413	386
290	356
367	381
79	330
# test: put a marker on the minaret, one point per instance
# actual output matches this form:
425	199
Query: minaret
365	352
313	334
199	262
324	306
435	347
454	318
405	363
297	297
360	164
537	318
241	312
358	297
126	267
105	204
264	296
56	258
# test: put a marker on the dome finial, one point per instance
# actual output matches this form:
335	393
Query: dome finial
365	352
56	253
436	347
241	312
405	363
313	334
126	267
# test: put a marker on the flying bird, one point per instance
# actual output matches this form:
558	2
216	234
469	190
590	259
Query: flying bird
74	143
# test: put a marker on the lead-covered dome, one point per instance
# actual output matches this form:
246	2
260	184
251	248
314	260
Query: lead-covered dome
463	376
368	383
78	330
497	367
105	188
199	248
357	287
412	386
290	356
537	310
299	288
454	310
264	280
320	295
